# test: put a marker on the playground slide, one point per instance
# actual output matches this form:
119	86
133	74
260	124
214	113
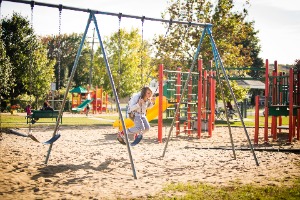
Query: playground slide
152	113
82	106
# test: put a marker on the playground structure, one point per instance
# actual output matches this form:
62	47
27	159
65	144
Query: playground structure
81	97
198	103
197	108
282	98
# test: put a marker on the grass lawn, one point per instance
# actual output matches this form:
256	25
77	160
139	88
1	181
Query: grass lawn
234	192
17	121
249	121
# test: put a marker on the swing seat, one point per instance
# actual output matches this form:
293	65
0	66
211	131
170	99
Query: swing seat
137	140
121	140
33	138
53	139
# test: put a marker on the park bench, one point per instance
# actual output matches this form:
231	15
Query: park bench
37	114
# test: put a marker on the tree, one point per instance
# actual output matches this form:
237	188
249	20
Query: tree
64	48
236	39
40	75
6	77
19	41
32	72
129	60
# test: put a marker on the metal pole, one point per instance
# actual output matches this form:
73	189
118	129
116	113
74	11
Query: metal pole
232	94
115	94
184	88
92	60
223	100
68	86
112	14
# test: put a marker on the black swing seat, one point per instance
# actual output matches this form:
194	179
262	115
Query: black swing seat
121	140
51	141
137	140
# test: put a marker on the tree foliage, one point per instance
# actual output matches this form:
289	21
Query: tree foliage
63	49
31	71
19	41
236	38
129	59
38	79
6	77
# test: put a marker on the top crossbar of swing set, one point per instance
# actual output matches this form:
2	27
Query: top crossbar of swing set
60	6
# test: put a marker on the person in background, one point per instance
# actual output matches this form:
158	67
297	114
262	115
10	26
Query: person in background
229	107
87	109
46	106
28	110
29	113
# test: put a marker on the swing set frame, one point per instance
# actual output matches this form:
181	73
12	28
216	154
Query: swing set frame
207	30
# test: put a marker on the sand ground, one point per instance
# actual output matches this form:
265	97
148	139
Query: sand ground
89	163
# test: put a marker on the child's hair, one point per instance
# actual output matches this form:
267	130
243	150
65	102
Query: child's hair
144	91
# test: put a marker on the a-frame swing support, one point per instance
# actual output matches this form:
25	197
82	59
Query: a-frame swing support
93	18
219	66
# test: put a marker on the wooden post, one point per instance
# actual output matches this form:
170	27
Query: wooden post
209	95
213	101
291	87
298	124
200	97
256	131
178	92
266	102
160	100
274	101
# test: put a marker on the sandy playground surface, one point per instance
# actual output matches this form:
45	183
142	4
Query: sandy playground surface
89	163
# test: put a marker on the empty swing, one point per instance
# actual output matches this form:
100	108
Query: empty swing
56	136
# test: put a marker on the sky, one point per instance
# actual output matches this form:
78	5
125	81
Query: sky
278	21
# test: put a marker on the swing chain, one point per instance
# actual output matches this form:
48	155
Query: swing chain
119	41
0	10
31	57
142	49
169	27
32	6
59	46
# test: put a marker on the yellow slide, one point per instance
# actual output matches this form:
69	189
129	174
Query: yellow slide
152	113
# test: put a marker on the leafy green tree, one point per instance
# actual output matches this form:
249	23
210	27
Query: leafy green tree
63	50
19	41
6	77
41	74
32	72
129	59
235	38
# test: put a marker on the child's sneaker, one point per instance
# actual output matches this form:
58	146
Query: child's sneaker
120	137
121	134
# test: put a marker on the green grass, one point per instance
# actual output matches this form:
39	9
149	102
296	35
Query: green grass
16	121
249	121
235	192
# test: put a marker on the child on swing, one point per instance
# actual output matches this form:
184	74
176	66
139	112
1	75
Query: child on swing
138	105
